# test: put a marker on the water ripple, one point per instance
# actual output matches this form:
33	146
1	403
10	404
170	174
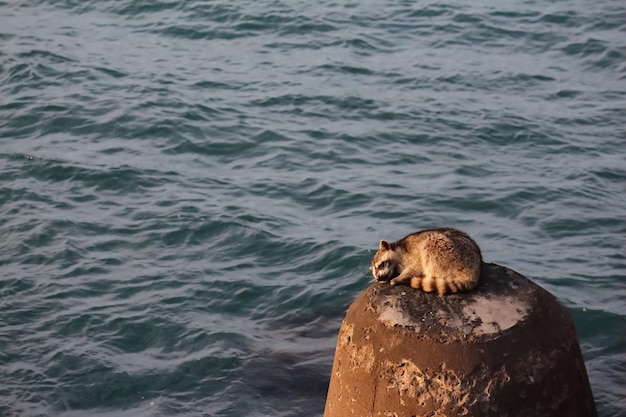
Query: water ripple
191	192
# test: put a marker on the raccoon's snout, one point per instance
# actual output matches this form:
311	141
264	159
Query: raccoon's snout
383	271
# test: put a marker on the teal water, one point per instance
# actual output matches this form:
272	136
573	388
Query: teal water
191	191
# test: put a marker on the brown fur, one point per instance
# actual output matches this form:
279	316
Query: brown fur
444	260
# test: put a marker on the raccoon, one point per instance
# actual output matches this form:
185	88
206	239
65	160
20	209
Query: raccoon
444	260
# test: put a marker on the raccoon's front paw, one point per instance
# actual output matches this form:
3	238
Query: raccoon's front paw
400	279
397	281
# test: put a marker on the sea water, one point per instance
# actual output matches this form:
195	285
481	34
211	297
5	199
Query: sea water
191	191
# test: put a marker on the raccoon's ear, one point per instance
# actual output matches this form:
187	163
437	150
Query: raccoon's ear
384	245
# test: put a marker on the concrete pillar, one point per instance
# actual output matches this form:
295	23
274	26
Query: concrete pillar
505	349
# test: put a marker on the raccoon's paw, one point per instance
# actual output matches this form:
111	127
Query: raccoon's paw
416	282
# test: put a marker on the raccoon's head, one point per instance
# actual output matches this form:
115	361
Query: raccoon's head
385	264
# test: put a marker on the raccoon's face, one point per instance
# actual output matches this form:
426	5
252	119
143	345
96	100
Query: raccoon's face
385	263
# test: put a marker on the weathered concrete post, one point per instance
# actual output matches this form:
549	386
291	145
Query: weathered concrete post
505	349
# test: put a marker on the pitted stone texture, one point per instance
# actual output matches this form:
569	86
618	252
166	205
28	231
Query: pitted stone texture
507	348
503	299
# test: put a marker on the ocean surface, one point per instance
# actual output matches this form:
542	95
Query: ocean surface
191	191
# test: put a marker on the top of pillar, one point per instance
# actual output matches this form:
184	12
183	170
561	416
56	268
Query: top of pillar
502	300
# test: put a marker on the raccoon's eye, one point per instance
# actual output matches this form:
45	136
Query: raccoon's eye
384	265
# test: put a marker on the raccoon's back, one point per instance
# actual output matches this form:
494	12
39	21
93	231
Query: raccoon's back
448	260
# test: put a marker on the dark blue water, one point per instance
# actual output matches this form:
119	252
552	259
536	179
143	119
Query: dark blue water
191	191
